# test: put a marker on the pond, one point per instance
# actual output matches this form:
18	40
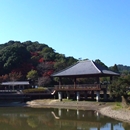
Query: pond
23	118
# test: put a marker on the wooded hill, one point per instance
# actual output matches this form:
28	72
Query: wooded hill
21	57
18	58
123	69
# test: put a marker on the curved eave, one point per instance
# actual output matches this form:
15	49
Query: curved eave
86	68
88	75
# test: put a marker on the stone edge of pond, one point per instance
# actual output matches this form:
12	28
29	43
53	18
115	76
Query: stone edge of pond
121	114
102	107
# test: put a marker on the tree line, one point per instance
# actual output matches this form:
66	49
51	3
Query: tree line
36	61
18	60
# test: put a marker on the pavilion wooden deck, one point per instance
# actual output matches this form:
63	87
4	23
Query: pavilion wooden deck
83	87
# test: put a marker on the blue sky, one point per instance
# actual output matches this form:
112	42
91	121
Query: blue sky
93	29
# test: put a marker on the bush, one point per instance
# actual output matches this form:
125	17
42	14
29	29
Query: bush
36	90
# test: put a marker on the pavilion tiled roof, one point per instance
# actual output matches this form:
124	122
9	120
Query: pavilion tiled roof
85	68
15	83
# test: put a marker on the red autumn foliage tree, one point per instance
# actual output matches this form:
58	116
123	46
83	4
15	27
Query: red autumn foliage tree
43	81
45	69
14	76
4	78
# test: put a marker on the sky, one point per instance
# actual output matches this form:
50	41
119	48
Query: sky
84	29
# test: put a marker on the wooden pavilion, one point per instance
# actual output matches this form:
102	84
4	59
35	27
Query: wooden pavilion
15	85
83	69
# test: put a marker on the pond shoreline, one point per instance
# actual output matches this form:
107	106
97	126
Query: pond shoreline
105	108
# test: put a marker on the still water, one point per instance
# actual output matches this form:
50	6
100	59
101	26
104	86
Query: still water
15	118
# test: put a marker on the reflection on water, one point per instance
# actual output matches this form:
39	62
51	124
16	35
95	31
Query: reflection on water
56	119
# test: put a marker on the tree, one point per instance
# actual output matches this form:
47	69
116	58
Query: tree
114	68
48	54
44	81
14	76
120	87
4	78
45	69
34	46
32	76
13	56
21	57
62	62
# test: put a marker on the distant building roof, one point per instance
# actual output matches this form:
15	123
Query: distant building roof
13	83
85	68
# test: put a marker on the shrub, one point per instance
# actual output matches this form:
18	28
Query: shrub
36	90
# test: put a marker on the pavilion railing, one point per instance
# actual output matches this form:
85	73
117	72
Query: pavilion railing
78	87
8	91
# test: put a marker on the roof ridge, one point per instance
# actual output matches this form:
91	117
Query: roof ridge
65	68
96	66
83	60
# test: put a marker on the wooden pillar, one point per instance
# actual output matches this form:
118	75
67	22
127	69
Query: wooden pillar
98	92
74	96
86	95
97	96
74	82
7	88
92	94
110	79
68	95
60	81
60	96
105	93
78	96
